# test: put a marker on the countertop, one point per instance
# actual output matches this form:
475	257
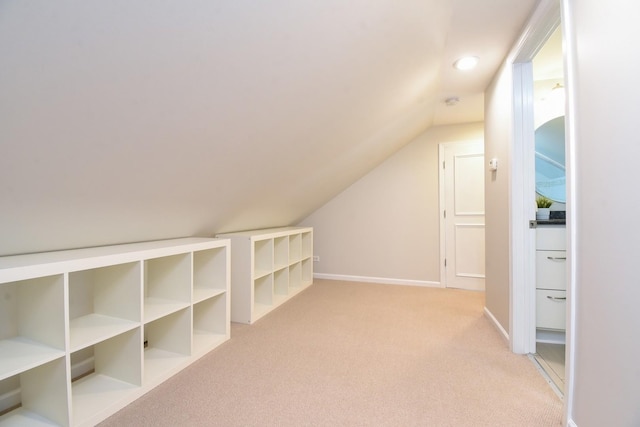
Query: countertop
550	222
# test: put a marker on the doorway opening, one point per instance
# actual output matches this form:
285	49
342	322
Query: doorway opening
522	328
550	223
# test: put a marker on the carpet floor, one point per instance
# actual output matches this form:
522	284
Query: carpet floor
357	354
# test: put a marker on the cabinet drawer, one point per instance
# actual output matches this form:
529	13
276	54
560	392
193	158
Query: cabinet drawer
551	309
551	267
551	238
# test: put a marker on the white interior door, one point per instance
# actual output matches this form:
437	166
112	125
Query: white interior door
462	219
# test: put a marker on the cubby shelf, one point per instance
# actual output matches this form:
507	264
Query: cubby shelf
269	267
87	331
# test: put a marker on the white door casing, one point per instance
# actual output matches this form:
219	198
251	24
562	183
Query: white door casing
462	215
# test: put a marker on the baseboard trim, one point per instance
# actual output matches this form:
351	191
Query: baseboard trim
9	400
496	324
383	280
12	398
82	368
543	368
571	423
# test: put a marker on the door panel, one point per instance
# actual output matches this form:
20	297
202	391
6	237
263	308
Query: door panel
468	192
469	261
463	215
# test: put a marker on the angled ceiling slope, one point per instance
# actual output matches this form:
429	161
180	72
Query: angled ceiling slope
124	121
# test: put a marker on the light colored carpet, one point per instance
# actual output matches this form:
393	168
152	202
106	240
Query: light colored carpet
357	354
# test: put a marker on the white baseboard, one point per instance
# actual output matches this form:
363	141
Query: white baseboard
82	367
571	423
12	398
497	324
9	399
383	280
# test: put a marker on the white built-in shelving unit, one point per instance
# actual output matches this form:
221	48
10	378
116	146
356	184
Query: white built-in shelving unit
85	332
268	267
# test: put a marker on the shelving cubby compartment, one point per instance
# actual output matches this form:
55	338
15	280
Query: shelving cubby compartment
33	382
85	332
211	298
268	266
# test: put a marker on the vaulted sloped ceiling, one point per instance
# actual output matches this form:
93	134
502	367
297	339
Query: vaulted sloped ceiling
134	120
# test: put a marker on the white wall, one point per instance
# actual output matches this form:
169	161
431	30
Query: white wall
607	149
123	121
498	136
386	225
606	372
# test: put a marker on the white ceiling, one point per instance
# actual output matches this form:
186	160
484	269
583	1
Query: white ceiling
124	121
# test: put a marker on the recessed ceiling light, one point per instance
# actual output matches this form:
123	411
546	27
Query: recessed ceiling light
466	63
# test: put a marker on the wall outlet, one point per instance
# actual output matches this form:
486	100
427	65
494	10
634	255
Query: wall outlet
316	258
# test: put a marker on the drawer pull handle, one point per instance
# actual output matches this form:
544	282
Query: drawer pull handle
557	258
556	298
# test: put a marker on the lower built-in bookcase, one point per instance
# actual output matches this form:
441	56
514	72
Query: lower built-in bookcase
85	332
268	267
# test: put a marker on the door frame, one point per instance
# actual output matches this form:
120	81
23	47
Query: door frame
441	204
545	19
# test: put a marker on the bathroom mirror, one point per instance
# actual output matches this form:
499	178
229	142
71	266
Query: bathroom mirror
550	160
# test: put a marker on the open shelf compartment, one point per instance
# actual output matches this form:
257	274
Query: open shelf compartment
295	248
210	323
167	344
210	273
263	257
307	244
280	252
36	397
116	372
280	285
103	302
295	275
167	285
32	324
262	296
307	271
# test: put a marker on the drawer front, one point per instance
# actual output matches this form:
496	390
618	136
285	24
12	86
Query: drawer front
551	309
551	238
551	270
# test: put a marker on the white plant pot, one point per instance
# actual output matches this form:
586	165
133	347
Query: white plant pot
543	213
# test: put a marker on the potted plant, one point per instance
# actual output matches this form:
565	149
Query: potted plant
544	205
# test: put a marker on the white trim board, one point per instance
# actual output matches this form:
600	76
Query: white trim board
545	375
546	17
496	324
383	280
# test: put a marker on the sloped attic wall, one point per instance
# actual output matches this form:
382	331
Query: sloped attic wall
385	227
127	121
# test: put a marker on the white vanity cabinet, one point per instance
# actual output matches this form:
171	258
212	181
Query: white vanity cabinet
551	264
268	267
85	332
